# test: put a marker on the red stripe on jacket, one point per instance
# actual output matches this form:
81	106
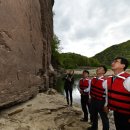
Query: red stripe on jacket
118	96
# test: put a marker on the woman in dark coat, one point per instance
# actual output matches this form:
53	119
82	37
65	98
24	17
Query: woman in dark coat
68	86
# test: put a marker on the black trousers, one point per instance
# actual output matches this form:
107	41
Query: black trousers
121	121
69	98
97	107
85	105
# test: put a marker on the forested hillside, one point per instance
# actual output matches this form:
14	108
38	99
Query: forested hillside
73	60
106	56
69	60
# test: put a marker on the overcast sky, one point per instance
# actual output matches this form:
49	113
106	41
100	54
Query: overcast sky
87	27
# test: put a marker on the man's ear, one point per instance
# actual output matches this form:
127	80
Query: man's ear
123	66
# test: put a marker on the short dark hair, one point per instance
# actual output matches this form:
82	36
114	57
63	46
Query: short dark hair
86	71
104	67
123	61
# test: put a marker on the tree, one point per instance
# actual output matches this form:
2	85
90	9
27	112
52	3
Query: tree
55	51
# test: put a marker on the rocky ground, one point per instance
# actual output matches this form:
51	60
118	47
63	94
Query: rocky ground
44	112
47	111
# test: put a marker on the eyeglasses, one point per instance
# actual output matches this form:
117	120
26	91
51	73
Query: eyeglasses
116	61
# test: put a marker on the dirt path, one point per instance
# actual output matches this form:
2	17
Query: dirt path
44	112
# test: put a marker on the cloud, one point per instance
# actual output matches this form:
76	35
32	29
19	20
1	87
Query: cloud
89	26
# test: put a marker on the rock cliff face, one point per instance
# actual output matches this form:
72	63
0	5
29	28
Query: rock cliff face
26	30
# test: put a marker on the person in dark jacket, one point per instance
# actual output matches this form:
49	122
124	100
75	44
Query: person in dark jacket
68	86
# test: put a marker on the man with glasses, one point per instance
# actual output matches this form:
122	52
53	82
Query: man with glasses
119	93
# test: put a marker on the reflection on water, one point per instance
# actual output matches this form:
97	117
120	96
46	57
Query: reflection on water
60	88
76	94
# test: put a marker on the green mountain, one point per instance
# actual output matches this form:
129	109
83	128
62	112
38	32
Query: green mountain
73	60
106	56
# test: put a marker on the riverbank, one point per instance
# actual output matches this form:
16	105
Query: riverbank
47	111
92	72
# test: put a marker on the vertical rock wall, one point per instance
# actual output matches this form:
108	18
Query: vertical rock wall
26	29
